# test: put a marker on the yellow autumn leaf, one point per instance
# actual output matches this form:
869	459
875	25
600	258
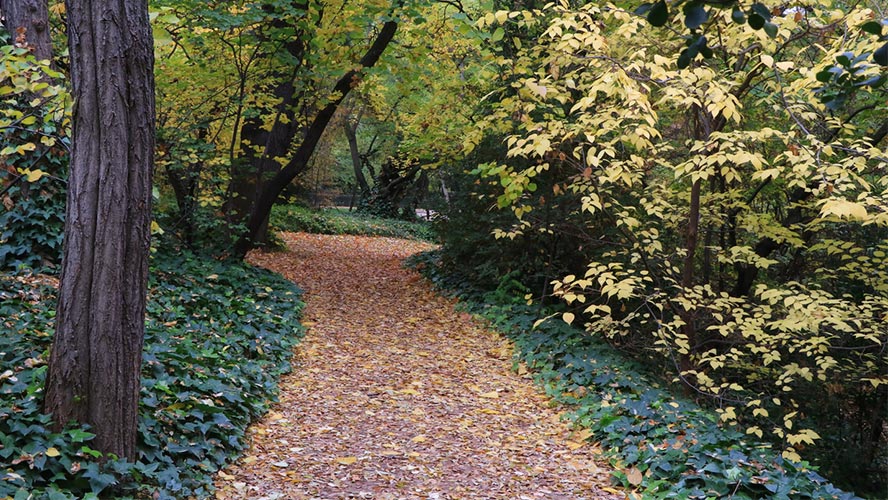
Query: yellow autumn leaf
52	452
35	175
419	439
490	395
346	460
568	317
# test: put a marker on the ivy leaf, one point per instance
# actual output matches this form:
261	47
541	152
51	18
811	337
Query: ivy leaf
771	29
695	15
35	175
659	14
738	16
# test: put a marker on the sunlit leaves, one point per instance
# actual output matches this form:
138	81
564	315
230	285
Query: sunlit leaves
638	127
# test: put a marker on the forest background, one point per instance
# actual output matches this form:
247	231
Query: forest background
701	185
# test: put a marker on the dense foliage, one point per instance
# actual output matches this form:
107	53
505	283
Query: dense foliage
33	159
661	446
219	335
336	221
726	206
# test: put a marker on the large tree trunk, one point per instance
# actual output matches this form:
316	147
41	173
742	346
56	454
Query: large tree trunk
28	23
100	324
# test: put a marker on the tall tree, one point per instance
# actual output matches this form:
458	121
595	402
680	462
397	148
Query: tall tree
96	354
28	22
267	194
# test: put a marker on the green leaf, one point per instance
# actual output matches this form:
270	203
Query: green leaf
643	9
684	59
880	56
771	29
872	27
659	14
762	11
695	15
738	16
498	35
756	21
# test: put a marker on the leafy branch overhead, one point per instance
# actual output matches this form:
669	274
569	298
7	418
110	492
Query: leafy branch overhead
695	14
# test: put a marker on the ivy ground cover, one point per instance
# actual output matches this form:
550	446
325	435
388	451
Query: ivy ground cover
219	336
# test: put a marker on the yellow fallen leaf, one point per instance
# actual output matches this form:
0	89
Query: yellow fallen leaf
573	445
581	435
490	395
419	439
224	475
413	392
634	476
249	460
346	460
52	452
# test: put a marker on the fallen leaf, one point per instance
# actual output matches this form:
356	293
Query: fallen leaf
634	476
490	395
419	439
346	460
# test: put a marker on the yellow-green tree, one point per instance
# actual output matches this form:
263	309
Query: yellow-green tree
729	169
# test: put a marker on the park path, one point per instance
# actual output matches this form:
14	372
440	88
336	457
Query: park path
395	395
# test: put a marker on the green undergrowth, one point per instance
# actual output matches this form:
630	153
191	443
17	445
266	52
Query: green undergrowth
219	335
660	445
336	221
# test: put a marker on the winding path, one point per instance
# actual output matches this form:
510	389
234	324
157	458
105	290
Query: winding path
394	395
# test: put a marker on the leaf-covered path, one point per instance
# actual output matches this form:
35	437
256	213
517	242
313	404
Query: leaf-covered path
396	395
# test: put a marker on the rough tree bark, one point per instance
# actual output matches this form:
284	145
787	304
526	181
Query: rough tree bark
96	353
28	22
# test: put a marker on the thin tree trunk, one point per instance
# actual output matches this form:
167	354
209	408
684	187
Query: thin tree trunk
351	135
100	324
28	23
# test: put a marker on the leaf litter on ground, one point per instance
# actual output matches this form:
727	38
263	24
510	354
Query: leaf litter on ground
394	394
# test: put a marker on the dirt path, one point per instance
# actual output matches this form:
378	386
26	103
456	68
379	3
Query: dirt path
394	395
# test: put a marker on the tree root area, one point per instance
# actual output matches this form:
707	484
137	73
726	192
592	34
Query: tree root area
396	395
